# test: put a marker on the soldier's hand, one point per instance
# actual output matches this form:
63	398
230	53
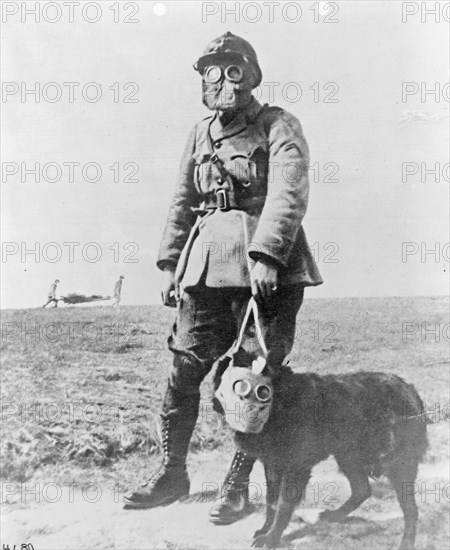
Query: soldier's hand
263	279
168	291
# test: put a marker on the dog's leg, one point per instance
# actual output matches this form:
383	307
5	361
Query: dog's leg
359	483
273	478
403	476
292	488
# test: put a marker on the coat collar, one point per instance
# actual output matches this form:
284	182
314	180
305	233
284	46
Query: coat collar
238	124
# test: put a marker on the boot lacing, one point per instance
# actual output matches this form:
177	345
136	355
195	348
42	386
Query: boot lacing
230	484
166	458
165	442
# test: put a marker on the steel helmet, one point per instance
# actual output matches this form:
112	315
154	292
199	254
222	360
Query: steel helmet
228	46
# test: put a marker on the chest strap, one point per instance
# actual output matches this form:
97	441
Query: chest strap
226	195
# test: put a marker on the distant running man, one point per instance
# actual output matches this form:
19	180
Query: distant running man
118	291
52	294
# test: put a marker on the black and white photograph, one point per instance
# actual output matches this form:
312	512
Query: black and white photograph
225	254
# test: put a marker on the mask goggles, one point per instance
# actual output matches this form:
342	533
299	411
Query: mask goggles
262	392
214	73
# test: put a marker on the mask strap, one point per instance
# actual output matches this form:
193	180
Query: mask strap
252	307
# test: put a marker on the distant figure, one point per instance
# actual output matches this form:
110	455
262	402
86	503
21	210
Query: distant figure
118	291
52	294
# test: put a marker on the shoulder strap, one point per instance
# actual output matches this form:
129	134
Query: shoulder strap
215	159
213	155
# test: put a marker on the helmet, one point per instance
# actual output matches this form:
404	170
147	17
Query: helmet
228	46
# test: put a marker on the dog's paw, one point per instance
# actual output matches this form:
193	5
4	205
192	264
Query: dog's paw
267	541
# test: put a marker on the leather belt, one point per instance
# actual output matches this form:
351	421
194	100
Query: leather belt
223	200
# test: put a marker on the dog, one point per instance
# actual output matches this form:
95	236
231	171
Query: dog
368	421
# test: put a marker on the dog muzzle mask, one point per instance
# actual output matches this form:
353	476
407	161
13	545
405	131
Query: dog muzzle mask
245	392
246	399
227	87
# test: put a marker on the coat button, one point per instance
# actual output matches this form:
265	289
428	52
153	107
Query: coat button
219	181
217	144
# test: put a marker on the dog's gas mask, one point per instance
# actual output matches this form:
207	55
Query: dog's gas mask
227	86
245	391
246	398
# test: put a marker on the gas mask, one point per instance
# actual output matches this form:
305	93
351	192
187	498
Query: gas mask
245	393
246	398
227	86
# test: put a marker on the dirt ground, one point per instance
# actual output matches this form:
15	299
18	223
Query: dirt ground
77	523
64	476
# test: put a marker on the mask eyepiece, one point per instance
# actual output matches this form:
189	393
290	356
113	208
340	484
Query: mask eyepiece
242	388
212	74
234	73
263	393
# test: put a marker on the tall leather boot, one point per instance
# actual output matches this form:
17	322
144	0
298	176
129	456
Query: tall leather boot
170	482
234	504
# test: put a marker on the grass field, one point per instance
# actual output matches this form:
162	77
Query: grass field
81	390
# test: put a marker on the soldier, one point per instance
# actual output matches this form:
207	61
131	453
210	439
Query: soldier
234	230
52	294
118	291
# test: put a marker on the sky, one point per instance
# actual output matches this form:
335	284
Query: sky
371	219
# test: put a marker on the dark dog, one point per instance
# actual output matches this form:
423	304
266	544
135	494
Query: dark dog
369	422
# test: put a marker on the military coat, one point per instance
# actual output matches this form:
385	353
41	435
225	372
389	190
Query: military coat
265	155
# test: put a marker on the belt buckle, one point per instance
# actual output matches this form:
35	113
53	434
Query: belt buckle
223	202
